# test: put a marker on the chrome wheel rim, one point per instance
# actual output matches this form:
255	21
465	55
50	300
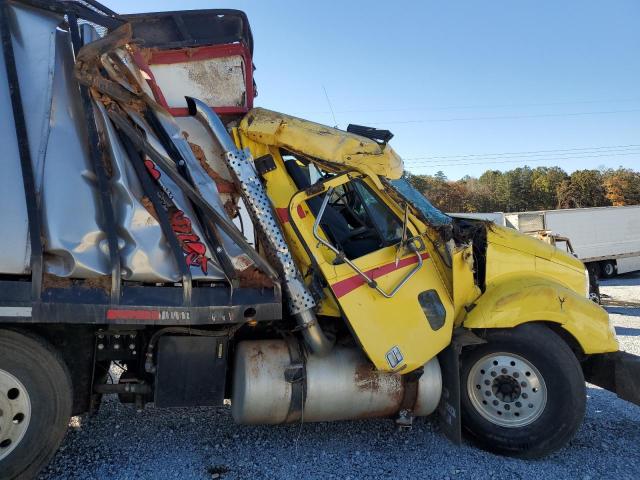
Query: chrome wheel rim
15	412
507	390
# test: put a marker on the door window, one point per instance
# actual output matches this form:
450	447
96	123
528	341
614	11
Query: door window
358	222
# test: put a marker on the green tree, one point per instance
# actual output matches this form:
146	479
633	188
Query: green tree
583	189
545	182
516	189
622	186
478	198
440	176
492	182
524	188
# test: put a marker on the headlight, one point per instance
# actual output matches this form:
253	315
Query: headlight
587	283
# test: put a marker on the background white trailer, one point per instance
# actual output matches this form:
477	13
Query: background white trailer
495	217
605	238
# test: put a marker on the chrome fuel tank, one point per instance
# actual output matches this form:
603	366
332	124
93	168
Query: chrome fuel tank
340	386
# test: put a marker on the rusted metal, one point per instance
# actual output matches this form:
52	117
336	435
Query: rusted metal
300	300
270	377
100	160
121	90
224	223
224	186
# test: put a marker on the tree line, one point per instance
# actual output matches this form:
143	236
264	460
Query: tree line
525	188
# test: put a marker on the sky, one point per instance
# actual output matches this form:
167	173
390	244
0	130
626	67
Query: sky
465	86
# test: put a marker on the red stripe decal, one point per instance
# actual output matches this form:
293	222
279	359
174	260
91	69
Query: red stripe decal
283	214
159	57
347	285
133	315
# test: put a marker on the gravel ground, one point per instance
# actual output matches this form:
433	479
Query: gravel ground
204	443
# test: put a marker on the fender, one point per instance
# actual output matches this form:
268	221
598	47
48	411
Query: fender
516	300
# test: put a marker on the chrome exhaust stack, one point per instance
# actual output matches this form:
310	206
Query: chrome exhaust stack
240	164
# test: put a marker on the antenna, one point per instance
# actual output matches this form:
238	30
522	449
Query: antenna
335	122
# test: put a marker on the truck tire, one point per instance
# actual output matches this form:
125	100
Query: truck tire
523	393
36	402
608	269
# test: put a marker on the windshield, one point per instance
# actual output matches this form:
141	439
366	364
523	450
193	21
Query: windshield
407	191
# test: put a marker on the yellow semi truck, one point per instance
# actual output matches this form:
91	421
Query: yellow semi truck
130	150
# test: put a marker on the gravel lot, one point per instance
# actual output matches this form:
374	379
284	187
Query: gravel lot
119	443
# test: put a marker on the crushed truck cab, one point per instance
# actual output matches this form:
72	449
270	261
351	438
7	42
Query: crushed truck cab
412	283
155	220
518	279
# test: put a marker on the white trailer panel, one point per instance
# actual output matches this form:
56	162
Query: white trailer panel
495	217
628	264
598	233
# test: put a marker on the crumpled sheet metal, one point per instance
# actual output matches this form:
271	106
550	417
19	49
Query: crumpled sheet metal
198	253
75	243
206	186
145	254
57	140
14	230
122	70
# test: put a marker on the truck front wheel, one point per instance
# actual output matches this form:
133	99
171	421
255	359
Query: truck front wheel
522	393
35	404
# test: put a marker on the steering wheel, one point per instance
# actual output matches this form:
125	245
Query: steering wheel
341	207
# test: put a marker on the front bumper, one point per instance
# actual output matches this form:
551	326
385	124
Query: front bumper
618	372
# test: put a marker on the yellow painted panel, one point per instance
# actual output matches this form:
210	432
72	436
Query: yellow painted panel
503	260
516	300
337	147
465	291
381	323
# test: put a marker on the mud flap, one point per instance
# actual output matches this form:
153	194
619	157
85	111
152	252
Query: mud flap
449	408
618	372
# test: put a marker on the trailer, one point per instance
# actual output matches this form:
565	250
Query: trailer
606	239
130	144
496	217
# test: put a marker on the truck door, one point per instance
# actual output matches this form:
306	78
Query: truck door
378	268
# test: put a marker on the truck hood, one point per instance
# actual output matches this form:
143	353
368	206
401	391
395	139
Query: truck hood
510	238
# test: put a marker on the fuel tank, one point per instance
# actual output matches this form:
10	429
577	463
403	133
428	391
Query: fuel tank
270	384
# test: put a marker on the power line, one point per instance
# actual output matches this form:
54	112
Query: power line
557	156
532	158
464	107
335	122
550	159
488	155
502	117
